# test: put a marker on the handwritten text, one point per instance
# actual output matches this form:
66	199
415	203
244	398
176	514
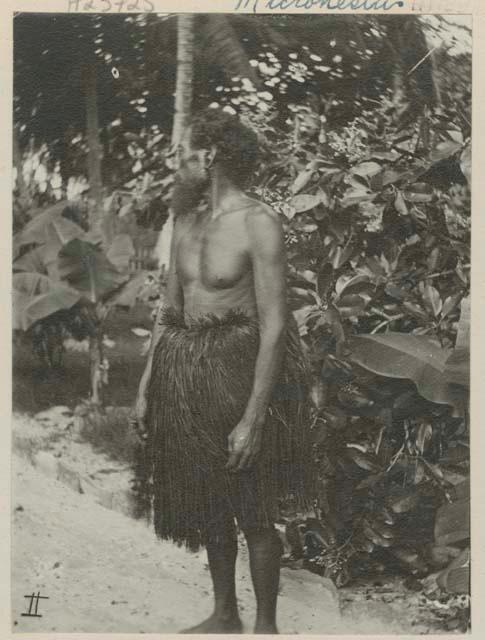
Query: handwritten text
332	5
33	611
105	6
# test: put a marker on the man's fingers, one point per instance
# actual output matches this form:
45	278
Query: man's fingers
139	425
251	460
143	430
233	460
244	462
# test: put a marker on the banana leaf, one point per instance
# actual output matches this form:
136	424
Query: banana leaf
457	367
143	287
86	268
121	251
410	357
36	296
48	229
456	577
452	523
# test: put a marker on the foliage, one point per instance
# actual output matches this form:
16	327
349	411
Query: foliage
284	59
375	235
388	458
65	285
377	216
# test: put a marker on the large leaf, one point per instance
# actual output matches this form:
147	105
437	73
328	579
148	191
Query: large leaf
304	202
36	296
419	192
298	297
324	279
143	287
121	251
352	284
457	367
401	355
456	577
375	537
366	169
445	150
49	229
452	523
463	333
32	262
302	179
466	163
367	461
403	501
19	302
432	299
85	267
356	196
351	304
32	284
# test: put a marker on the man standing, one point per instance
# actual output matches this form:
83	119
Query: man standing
223	398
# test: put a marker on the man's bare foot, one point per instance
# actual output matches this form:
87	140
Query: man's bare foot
215	624
266	629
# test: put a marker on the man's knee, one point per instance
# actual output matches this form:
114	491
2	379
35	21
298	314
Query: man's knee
267	537
223	532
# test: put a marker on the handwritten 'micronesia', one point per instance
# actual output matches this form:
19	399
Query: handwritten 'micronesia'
367	5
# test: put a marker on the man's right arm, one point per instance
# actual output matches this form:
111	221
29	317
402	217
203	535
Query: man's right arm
173	298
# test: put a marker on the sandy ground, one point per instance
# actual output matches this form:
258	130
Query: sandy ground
104	572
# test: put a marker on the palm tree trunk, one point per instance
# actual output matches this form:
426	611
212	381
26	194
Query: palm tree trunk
96	222
183	110
94	152
96	362
435	79
17	161
23	202
463	334
395	45
185	74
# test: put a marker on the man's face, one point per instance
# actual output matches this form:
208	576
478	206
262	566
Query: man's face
192	163
192	177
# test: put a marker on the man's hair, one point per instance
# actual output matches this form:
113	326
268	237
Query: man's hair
236	144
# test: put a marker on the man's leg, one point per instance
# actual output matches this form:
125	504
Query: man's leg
265	551
221	554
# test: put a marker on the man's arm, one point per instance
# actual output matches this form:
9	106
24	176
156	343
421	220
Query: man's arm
268	255
173	298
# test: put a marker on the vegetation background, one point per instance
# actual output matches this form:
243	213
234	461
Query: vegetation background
365	126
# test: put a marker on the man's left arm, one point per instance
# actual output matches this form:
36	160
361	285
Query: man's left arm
268	256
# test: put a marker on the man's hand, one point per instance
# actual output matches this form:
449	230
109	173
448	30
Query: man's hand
244	445
139	414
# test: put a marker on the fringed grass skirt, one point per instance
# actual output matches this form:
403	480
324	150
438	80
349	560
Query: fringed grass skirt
202	377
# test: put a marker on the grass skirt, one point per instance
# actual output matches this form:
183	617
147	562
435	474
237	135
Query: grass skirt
202	377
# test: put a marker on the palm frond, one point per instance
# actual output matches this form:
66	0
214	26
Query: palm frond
223	47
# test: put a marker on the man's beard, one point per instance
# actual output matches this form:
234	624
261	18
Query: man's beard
187	193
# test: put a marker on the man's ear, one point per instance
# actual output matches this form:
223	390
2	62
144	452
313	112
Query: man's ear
210	157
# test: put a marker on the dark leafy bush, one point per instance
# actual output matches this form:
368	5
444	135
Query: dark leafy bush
377	217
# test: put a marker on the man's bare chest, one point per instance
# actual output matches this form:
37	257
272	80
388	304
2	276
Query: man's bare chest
214	254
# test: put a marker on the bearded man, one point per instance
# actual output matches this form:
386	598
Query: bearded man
223	398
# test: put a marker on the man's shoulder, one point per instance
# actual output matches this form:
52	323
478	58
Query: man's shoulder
264	230
261	217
